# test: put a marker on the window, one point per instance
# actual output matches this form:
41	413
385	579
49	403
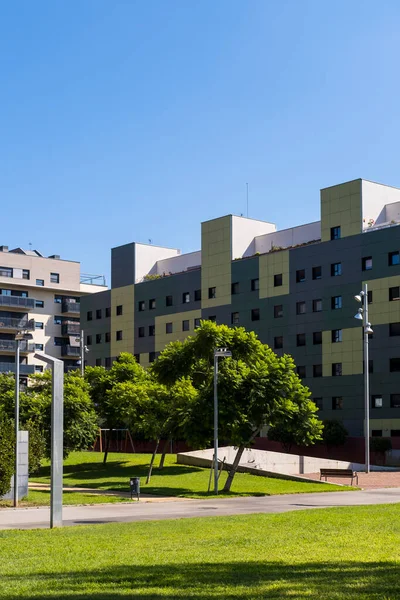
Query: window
168	327
235	288
107	337
337	403
152	304
336	302
318	403
300	308
197	295
39	346
40	282
377	401
152	330
39	325
107	362
317	305
38	368
336	269
141	305
393	259
376	433
26	274
369	294
39	303
54	278
108	312
278	280
212	318
57	299
255	314
301	372
316	272
301	339
98	313
255	285
212	292
168	301
366	263
394	400
98	362
89	340
317	370
119	310
336	336
317	338
6	272
278	342
89	315
196	323
118	335
300	275
394	365
394	329
57	320
185	325
137	358
335	233
186	297
336	369
235	318
152	356
141	332
394	293
395	432
278	311
98	338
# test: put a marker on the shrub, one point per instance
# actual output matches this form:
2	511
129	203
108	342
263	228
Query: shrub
7	443
380	444
37	446
335	433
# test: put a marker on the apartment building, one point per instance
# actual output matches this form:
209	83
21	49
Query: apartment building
41	295
295	288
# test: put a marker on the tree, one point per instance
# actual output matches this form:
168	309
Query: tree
255	388
7	445
335	433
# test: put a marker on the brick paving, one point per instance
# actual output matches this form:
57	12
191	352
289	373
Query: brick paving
367	481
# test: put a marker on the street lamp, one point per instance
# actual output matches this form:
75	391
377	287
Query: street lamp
19	336
220	352
362	315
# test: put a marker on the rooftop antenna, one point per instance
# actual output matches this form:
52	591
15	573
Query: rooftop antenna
150	241
30	245
247	199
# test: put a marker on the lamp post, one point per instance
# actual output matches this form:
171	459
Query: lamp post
221	352
19	336
362	315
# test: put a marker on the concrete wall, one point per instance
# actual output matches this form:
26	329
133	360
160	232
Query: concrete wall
288	237
375	196
178	264
244	233
147	256
23	468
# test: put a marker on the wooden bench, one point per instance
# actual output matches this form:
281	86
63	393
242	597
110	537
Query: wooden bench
339	473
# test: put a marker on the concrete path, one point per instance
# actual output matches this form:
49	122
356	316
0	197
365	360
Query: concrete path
29	518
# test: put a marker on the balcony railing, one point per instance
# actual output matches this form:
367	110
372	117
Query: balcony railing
17	324
17	302
11	345
10	368
71	306
70	351
71	329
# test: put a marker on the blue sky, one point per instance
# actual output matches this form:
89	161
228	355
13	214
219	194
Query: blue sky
127	121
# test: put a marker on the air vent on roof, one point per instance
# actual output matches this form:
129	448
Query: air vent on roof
56	256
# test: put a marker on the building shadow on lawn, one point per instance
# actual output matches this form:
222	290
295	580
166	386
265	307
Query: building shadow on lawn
218	581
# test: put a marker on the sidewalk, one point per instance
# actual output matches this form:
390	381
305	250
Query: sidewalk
367	481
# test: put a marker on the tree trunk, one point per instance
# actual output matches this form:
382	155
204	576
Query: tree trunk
152	462
164	452
231	475
106	449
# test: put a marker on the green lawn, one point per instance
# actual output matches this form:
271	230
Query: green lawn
42	498
85	469
338	554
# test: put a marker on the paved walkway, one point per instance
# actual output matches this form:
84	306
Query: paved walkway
30	518
368	481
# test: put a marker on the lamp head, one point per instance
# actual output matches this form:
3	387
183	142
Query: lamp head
359	314
359	297
368	328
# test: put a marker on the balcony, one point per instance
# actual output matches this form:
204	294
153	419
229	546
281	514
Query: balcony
71	351
9	324
9	347
71	307
17	302
10	368
70	328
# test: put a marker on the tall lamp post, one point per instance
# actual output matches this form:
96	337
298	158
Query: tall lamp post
19	336
362	315
220	352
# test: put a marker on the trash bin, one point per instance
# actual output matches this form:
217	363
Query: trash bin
134	484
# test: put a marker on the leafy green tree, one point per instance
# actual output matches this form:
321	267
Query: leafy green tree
7	444
255	388
335	433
